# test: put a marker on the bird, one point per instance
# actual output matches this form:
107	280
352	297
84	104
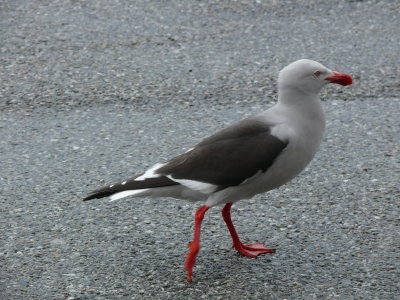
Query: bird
255	155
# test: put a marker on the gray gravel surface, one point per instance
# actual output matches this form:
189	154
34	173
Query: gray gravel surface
92	92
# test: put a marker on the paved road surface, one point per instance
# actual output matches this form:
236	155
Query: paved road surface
95	91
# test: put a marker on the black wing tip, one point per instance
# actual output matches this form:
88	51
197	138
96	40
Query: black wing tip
130	184
98	195
90	197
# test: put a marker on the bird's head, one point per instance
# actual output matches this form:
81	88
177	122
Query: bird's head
310	76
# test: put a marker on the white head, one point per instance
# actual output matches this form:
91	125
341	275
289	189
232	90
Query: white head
308	76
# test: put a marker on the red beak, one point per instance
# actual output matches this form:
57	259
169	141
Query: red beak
340	78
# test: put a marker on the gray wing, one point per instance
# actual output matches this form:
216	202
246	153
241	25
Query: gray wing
228	157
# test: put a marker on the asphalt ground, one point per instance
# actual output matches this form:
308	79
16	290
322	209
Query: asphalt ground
93	92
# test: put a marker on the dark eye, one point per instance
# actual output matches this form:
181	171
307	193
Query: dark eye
317	73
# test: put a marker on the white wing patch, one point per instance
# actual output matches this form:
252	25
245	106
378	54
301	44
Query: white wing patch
150	173
202	187
124	194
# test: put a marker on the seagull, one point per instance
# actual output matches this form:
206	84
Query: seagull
253	156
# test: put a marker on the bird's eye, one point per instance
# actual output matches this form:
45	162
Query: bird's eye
317	73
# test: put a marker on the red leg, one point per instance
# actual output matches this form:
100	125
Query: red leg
194	246
250	250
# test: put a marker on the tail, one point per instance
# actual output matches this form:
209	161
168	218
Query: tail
130	187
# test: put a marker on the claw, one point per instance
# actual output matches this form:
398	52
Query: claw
253	250
249	250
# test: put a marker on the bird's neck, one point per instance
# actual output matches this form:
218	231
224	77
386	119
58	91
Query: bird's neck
294	96
306	104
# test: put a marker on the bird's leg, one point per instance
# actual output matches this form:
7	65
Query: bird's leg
250	250
194	246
